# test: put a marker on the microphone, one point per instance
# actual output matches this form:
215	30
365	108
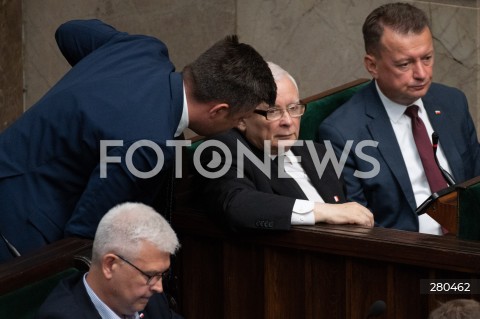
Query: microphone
446	175
376	309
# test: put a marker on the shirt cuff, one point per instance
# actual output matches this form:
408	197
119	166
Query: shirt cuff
302	213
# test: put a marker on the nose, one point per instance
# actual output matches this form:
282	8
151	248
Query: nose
286	119
158	287
419	70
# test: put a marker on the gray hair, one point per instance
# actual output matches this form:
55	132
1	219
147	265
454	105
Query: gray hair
124	228
457	309
279	73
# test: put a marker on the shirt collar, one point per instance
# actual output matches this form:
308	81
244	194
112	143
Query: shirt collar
103	310
394	110
183	124
288	154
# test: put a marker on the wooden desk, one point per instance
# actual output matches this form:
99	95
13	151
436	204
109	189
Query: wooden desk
322	271
37	265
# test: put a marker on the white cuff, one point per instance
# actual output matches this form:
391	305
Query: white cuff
302	213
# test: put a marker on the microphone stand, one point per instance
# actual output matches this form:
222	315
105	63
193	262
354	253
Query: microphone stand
446	175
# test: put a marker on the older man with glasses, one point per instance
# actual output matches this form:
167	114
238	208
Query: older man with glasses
271	183
130	260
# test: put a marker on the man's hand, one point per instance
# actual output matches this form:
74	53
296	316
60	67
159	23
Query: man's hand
347	213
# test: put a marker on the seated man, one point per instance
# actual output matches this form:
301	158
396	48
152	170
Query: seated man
130	259
401	109
297	196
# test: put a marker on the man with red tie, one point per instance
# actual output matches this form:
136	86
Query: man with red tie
400	110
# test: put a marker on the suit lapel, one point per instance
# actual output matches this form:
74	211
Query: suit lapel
285	185
82	298
324	186
282	186
289	187
438	117
381	131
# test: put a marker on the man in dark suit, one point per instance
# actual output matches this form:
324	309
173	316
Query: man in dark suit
101	135
400	57
293	190
130	258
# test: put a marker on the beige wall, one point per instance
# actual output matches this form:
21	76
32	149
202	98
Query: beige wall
187	27
11	62
318	41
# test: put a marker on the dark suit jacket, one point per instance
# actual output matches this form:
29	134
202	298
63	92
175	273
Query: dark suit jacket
257	201
70	300
121	87
389	195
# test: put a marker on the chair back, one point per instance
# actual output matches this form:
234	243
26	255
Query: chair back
26	281
321	105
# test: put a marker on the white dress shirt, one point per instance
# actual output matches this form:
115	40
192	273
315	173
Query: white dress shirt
183	124
402	126
302	213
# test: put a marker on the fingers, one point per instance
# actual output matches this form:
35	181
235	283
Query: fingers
360	214
347	213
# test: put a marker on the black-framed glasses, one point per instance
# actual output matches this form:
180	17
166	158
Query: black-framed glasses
274	113
151	279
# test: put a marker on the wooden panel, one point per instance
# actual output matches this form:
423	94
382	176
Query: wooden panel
200	277
284	273
405	282
44	262
321	271
334	90
243	281
325	286
367	282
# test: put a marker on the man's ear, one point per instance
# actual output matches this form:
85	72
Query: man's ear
242	125
108	265
220	109
370	63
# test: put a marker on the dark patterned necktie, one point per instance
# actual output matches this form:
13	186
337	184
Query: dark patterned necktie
425	150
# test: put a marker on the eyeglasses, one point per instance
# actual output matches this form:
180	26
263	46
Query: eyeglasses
151	279
274	113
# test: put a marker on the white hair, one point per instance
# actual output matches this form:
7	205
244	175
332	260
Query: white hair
126	226
279	73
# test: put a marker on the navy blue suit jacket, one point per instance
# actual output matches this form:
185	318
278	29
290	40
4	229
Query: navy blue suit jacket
259	202
70	300
389	194
122	87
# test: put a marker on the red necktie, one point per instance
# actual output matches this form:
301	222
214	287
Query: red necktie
425	150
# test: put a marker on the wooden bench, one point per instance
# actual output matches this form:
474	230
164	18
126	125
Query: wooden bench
26	281
321	271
